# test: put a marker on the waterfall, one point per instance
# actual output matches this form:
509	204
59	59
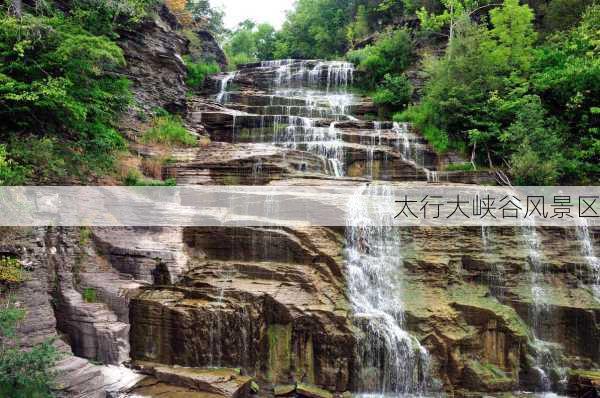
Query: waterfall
546	356
302	106
222	96
591	258
338	73
401	131
391	360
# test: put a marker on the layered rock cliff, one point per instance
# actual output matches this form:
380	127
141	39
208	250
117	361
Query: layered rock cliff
308	311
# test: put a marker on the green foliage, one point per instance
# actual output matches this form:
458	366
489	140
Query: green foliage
394	92
85	236
358	29
564	14
512	35
531	109
197	72
9	174
11	270
391	54
135	179
567	76
250	43
168	130
104	17
533	139
459	167
59	92
211	17
423	117
315	29
89	295
23	373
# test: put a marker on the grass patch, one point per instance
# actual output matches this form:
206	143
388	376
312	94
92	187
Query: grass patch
168	130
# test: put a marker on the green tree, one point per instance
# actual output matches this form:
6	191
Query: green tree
250	43
394	92
359	29
315	29
391	54
512	35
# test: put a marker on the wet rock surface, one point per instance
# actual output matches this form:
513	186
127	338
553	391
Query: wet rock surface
457	309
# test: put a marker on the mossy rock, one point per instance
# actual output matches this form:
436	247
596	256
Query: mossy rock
588	374
473	298
310	391
284	390
487	377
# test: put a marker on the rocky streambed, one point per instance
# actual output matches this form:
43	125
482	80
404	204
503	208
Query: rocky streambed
310	311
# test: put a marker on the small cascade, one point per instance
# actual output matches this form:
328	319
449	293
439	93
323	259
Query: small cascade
432	176
392	361
375	142
222	96
338	73
547	355
495	275
402	139
413	153
591	258
298	100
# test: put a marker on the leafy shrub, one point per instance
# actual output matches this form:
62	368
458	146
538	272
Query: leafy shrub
85	236
24	373
135	179
51	67
421	116
197	72
11	270
169	130
104	17
9	173
395	92
391	54
89	295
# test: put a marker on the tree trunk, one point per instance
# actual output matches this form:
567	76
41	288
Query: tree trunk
17	8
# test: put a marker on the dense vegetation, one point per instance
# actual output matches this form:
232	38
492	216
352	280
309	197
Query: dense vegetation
514	86
515	102
517	86
60	93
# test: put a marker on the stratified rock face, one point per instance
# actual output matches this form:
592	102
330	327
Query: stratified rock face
269	301
48	256
153	51
468	297
210	49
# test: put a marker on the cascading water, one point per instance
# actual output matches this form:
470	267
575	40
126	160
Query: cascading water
222	96
392	361
291	81
590	256
545	358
